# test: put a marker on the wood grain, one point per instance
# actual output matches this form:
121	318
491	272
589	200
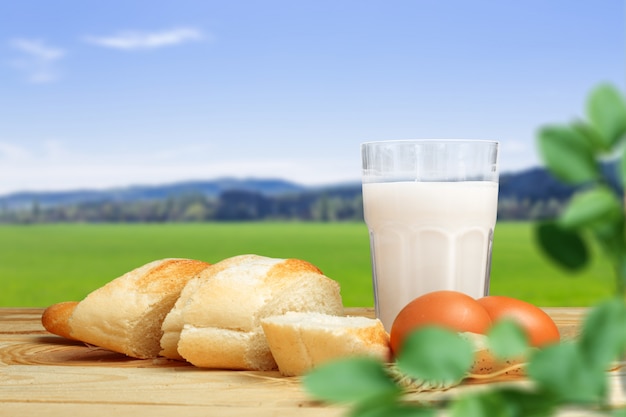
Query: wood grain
43	374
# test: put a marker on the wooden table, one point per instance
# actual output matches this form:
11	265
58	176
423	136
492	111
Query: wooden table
46	375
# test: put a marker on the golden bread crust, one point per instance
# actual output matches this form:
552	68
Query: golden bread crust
126	314
231	299
55	318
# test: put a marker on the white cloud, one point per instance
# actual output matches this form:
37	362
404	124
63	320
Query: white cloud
37	49
516	145
47	151
133	40
38	60
12	152
50	165
516	155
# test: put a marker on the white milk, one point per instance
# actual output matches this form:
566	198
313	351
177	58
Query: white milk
428	236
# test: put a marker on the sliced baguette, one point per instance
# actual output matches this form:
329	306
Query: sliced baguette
220	321
212	347
173	323
126	314
302	341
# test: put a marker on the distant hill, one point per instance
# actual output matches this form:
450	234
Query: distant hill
532	185
210	188
537	184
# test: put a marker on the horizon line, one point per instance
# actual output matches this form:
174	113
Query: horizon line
216	178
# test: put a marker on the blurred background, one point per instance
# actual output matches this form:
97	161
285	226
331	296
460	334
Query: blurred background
143	113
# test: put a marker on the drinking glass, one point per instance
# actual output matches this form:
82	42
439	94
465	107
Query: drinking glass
430	207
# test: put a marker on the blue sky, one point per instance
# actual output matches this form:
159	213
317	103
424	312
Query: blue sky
95	94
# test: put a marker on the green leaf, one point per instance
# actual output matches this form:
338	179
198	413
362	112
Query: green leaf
527	403
592	136
622	169
479	405
506	402
594	207
436	355
606	110
603	336
507	339
388	409
560	369
568	154
348	380
565	247
618	412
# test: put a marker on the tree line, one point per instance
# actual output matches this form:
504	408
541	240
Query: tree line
236	206
228	206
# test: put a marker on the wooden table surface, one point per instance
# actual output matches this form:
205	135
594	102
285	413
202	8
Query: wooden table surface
45	375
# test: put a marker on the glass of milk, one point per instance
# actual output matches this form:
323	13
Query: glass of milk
430	207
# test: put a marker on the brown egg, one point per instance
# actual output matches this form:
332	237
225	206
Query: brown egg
450	309
539	326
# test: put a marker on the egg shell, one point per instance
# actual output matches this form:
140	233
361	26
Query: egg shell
449	309
538	325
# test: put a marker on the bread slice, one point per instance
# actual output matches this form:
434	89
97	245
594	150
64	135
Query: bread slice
212	347
173	322
220	321
126	314
302	341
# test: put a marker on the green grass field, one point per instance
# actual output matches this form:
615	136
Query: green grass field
44	264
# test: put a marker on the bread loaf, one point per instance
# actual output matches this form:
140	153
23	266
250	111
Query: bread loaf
302	341
219	317
126	314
